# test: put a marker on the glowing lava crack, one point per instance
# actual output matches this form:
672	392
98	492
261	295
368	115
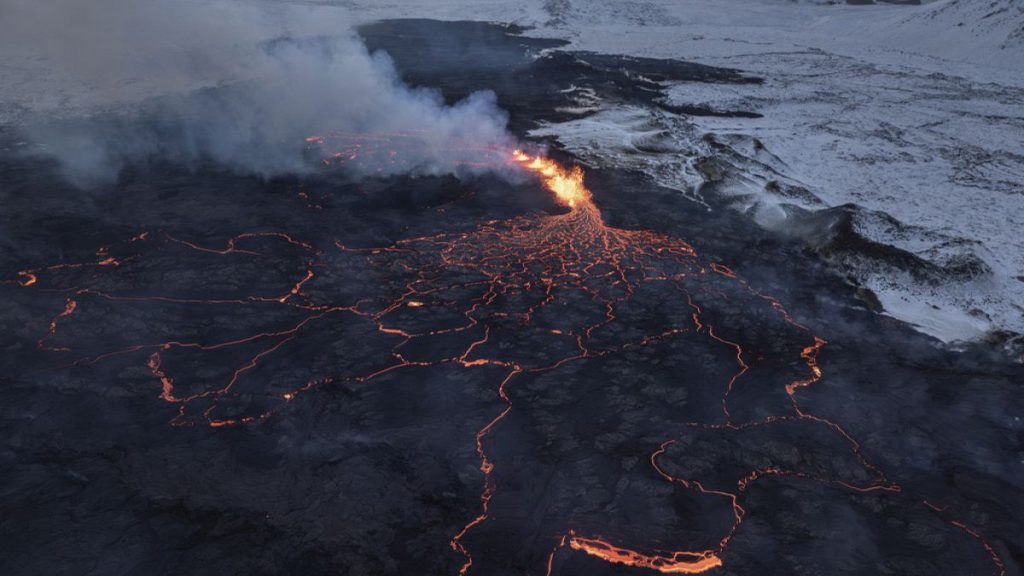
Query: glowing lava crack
504	275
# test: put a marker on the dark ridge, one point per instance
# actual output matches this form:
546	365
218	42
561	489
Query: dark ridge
531	76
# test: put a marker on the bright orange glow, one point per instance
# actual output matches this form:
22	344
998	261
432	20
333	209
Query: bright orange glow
674	563
567	185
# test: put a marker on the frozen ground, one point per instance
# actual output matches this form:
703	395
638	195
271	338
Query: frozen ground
909	118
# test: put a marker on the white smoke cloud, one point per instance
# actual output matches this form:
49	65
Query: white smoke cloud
241	84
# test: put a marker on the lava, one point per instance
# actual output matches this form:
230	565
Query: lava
566	185
506	274
674	563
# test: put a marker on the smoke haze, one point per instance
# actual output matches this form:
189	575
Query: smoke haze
238	84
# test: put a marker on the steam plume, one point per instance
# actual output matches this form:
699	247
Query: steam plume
239	84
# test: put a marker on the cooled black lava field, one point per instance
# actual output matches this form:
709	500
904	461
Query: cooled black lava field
211	373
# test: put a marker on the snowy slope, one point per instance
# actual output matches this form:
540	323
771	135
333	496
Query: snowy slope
988	33
995	23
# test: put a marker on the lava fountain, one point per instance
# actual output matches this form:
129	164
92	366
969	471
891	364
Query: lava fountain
566	185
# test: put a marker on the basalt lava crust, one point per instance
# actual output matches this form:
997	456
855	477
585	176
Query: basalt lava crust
206	373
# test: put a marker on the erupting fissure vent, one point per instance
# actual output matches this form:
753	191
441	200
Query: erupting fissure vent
567	185
498	279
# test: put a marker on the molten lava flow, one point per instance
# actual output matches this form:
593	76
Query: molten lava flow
567	185
506	275
674	563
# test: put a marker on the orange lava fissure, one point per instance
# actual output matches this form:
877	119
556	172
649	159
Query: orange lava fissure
538	254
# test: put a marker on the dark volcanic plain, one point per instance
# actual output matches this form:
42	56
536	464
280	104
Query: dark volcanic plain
207	373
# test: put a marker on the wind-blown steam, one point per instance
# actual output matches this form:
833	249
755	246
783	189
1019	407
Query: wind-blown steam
242	85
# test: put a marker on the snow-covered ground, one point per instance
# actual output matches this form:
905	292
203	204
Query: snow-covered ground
914	114
861	105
